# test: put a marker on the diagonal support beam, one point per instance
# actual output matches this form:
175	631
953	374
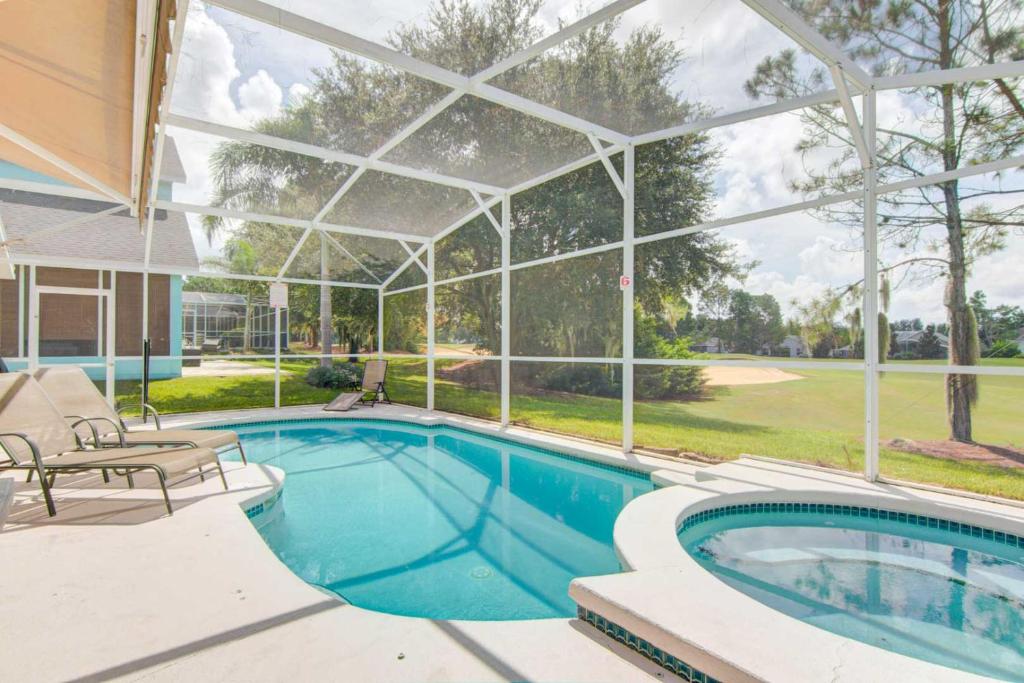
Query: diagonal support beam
612	173
402	135
328	35
371	162
793	25
485	209
408	262
416	258
607	12
294	252
339	246
856	130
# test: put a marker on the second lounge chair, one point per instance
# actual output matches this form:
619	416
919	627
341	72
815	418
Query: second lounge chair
77	397
35	436
374	374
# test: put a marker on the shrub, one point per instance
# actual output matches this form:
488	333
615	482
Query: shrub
337	376
1004	349
588	379
661	383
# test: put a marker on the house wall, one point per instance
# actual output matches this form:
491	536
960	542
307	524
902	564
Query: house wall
69	324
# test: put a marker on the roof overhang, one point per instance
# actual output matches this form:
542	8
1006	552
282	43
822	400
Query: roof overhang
83	71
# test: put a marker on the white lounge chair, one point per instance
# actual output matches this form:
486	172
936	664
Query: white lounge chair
77	397
35	437
374	374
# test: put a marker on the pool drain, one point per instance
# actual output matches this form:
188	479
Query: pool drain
481	573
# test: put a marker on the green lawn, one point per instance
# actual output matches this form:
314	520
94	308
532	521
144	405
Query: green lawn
817	419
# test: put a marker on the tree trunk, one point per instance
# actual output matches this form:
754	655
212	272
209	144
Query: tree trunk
247	328
959	388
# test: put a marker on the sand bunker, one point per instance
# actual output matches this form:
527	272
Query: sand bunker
722	376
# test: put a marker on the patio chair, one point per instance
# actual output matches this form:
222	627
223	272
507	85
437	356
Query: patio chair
374	374
77	398
35	437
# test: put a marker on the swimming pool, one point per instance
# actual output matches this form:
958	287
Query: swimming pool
438	522
923	587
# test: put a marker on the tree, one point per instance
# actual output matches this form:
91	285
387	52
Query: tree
929	345
756	321
955	125
574	307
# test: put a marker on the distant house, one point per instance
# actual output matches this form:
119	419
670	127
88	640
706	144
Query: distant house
101	252
843	352
795	346
710	345
907	341
217	322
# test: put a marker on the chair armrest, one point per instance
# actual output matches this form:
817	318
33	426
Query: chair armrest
95	433
156	415
36	456
74	428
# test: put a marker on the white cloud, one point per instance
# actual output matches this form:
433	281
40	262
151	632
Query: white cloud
260	97
297	93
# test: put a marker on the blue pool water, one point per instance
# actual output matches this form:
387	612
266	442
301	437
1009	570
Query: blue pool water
438	522
929	593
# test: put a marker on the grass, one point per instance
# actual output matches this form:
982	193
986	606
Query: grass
817	419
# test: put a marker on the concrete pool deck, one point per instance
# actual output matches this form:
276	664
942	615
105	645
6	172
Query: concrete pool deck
112	589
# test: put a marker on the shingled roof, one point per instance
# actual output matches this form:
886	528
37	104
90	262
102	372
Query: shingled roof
28	218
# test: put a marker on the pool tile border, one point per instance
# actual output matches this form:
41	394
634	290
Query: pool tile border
265	505
861	512
622	469
663	659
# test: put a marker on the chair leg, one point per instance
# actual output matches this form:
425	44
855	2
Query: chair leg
202	477
28	479
106	477
241	451
47	496
131	479
163	488
223	479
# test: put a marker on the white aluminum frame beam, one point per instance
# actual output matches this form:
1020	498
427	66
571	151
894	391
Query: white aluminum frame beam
281	220
607	162
371	163
871	293
780	107
607	12
984	72
486	210
856	131
333	37
402	135
790	23
415	257
506	310
341	247
294	252
408	262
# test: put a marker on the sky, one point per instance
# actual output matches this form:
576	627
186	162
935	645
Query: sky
235	71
